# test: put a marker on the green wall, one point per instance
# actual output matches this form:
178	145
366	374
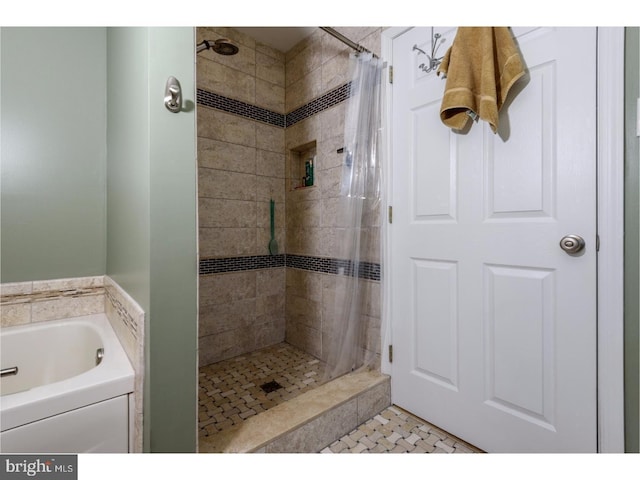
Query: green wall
152	211
99	178
53	153
632	243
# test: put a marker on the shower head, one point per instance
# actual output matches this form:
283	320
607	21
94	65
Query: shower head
222	46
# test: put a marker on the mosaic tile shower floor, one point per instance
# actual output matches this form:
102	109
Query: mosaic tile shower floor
230	392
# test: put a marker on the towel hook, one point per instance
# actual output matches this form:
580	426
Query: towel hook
434	62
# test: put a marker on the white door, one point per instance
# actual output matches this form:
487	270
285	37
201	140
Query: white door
493	324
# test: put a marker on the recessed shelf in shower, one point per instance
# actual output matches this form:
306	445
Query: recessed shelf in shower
302	166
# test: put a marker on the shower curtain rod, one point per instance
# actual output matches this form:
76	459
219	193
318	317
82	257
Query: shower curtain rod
356	46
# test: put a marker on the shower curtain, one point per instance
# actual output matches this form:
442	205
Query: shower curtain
352	336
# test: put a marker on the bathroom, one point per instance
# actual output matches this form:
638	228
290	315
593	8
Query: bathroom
128	200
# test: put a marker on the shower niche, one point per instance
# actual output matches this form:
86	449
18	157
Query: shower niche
302	166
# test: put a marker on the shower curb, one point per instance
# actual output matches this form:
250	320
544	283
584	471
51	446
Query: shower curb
309	422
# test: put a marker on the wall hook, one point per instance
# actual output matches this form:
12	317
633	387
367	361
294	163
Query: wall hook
434	62
173	95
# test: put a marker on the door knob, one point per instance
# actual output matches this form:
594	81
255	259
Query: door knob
572	244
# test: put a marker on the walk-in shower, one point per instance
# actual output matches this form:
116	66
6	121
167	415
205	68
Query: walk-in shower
273	325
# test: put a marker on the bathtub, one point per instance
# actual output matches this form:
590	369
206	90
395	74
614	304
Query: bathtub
72	390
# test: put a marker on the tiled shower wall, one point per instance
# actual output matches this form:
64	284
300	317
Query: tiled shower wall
318	65
241	167
253	109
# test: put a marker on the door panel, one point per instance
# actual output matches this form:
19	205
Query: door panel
494	325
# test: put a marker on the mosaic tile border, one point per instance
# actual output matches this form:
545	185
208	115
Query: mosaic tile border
335	266
237	264
253	112
237	107
324	102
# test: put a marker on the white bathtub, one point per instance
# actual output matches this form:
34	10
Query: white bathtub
60	399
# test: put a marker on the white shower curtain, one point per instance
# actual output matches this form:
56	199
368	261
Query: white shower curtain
351	337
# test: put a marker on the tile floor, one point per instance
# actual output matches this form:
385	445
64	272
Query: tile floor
395	431
230	392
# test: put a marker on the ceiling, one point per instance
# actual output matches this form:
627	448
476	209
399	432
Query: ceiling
280	38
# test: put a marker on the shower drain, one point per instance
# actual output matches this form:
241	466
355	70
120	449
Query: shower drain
271	386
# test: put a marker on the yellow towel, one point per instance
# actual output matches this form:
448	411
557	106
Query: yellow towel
481	66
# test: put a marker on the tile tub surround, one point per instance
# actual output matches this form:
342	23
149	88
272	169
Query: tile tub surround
127	319
42	300
45	300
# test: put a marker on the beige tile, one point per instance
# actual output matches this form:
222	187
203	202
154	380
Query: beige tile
222	346
269	138
226	156
272	305
214	212
215	319
303	90
16	288
373	41
269	331
223	80
330	181
304	284
63	284
15	314
228	185
303	311
306	61
225	127
335	212
373	401
315	36
66	307
331	47
328	152
332	121
304	214
227	242
303	133
270	164
268	188
318	433
269	96
270	282
305	338
276	54
225	288
305	240
335	72
270	69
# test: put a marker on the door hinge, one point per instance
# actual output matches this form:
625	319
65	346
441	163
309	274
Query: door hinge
597	243
390	353
390	73
390	214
